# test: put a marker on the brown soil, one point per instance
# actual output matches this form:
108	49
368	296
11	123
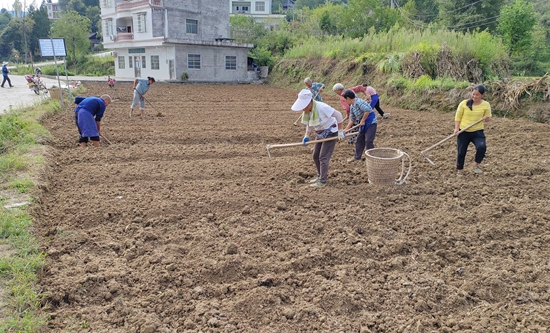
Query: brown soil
183	224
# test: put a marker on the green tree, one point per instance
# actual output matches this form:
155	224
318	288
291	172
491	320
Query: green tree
326	24
311	4
468	15
359	17
13	35
17	33
5	18
93	13
75	29
516	25
76	5
244	29
426	11
40	29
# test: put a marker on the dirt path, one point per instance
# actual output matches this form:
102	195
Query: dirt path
183	224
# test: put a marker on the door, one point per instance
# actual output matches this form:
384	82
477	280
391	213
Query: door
171	66
137	66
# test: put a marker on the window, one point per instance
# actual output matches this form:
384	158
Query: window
231	62
260	6
191	26
107	3
141	19
155	63
143	62
121	64
194	61
109	27
130	62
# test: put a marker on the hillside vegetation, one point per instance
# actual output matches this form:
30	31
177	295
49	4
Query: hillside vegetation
423	54
418	70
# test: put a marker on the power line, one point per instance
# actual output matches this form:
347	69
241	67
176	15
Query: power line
466	25
449	12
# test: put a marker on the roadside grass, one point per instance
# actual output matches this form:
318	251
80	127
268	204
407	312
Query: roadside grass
21	160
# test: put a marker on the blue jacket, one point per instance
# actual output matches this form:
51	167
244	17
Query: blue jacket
95	105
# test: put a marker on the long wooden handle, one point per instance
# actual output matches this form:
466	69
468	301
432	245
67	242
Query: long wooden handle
307	143
450	136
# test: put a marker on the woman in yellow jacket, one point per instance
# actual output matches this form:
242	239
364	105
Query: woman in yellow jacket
468	112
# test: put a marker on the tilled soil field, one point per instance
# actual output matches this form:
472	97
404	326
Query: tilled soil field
183	224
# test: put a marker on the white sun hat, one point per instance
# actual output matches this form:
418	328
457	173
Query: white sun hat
304	98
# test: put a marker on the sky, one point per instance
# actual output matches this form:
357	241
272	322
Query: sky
9	4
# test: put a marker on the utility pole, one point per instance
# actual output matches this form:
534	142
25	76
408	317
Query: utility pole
25	30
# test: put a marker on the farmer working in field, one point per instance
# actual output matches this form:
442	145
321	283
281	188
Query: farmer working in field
141	86
87	115
361	114
315	88
375	101
327	123
339	89
468	112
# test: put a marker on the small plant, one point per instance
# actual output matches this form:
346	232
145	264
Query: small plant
184	76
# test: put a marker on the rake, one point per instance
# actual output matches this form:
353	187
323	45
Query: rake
285	145
423	153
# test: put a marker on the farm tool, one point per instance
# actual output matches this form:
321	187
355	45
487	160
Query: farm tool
285	145
147	101
108	141
423	153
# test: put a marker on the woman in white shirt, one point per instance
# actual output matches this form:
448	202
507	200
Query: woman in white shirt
326	122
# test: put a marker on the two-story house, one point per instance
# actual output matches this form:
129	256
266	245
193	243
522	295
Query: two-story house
167	38
53	10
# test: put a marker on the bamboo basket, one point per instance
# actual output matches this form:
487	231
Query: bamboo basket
384	164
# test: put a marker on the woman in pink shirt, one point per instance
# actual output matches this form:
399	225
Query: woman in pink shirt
375	101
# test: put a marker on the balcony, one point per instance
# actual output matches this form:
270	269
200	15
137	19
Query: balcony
124	36
126	5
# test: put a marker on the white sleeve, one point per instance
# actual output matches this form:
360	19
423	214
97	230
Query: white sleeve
336	114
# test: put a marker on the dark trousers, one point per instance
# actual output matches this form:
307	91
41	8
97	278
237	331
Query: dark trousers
322	152
365	139
6	78
462	142
375	104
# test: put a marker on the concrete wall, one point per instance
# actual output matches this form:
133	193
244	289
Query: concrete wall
212	63
158	22
212	17
165	53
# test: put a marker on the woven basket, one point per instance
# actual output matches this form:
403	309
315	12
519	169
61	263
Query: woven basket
384	164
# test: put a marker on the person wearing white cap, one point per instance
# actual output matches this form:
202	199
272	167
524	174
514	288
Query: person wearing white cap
5	72
327	123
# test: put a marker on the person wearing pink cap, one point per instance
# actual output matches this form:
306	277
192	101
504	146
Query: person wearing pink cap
326	122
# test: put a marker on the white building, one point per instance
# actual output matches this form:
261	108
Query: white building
53	10
260	10
167	38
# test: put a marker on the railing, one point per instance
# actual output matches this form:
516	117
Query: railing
123	36
139	3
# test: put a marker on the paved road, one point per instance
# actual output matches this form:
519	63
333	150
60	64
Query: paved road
21	96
